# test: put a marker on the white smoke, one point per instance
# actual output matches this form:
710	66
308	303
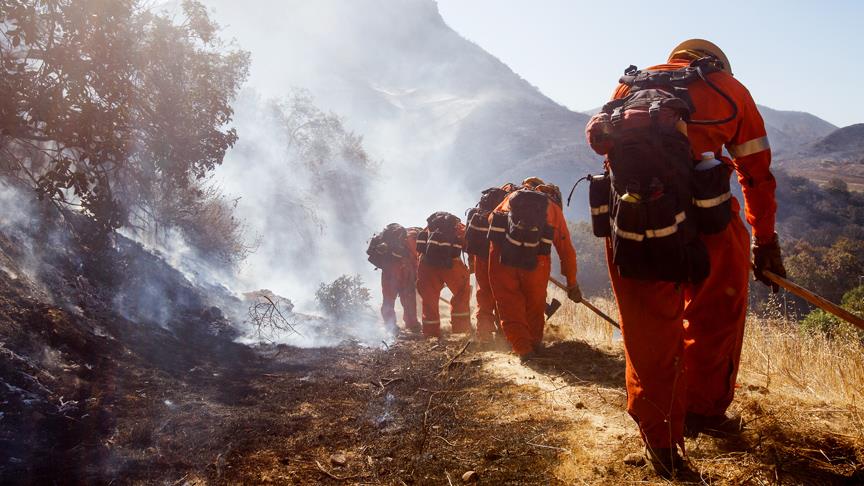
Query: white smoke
417	93
407	119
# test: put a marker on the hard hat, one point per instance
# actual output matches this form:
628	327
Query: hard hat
532	182
695	48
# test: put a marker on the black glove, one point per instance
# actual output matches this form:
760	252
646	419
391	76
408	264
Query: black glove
574	294
766	256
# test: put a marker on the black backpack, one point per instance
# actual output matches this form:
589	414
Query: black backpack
388	246
523	233
476	233
439	243
650	213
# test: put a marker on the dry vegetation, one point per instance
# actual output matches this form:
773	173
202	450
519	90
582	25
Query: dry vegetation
428	412
800	396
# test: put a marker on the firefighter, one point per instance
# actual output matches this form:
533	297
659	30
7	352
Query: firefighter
394	252
440	246
683	340
523	229
477	249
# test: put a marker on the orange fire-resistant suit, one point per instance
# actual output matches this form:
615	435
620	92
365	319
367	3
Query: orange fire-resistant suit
431	280
398	279
485	314
520	295
683	342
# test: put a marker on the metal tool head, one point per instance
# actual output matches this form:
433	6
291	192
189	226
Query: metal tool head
552	308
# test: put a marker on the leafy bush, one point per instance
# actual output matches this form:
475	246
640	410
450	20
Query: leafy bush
106	107
821	322
344	297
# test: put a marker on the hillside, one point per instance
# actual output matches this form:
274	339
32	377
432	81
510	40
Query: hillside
201	343
442	115
838	155
789	131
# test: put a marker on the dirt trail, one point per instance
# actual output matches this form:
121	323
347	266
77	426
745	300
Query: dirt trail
427	412
189	407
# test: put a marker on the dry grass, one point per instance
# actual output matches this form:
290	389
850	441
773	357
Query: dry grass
800	396
783	360
575	321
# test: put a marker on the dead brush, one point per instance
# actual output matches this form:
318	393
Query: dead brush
575	321
779	357
800	396
806	417
269	315
785	441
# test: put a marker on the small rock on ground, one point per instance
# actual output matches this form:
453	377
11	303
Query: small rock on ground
469	477
635	459
338	460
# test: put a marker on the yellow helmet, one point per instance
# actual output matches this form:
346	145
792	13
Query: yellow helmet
695	48
532	182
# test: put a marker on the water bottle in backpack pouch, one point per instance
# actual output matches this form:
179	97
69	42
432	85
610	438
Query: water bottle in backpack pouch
712	194
600	200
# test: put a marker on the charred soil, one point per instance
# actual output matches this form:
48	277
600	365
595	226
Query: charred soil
97	388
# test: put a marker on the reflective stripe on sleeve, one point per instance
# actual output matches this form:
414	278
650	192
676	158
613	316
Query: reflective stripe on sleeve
460	314
431	322
600	210
714	201
749	147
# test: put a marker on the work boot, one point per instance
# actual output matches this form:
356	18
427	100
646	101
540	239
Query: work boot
413	328
460	328
524	358
485	337
665	461
712	425
431	330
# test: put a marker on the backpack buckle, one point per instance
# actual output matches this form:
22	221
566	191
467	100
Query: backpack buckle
616	115
654	109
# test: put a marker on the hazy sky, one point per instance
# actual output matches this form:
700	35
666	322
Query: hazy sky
793	54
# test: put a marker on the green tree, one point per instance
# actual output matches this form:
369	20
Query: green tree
112	109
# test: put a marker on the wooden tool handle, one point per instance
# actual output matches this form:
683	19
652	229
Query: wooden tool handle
587	304
814	299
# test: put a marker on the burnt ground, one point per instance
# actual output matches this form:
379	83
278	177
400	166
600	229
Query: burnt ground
418	412
99	386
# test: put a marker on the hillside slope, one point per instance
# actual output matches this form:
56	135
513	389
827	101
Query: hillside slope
837	155
445	118
789	131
